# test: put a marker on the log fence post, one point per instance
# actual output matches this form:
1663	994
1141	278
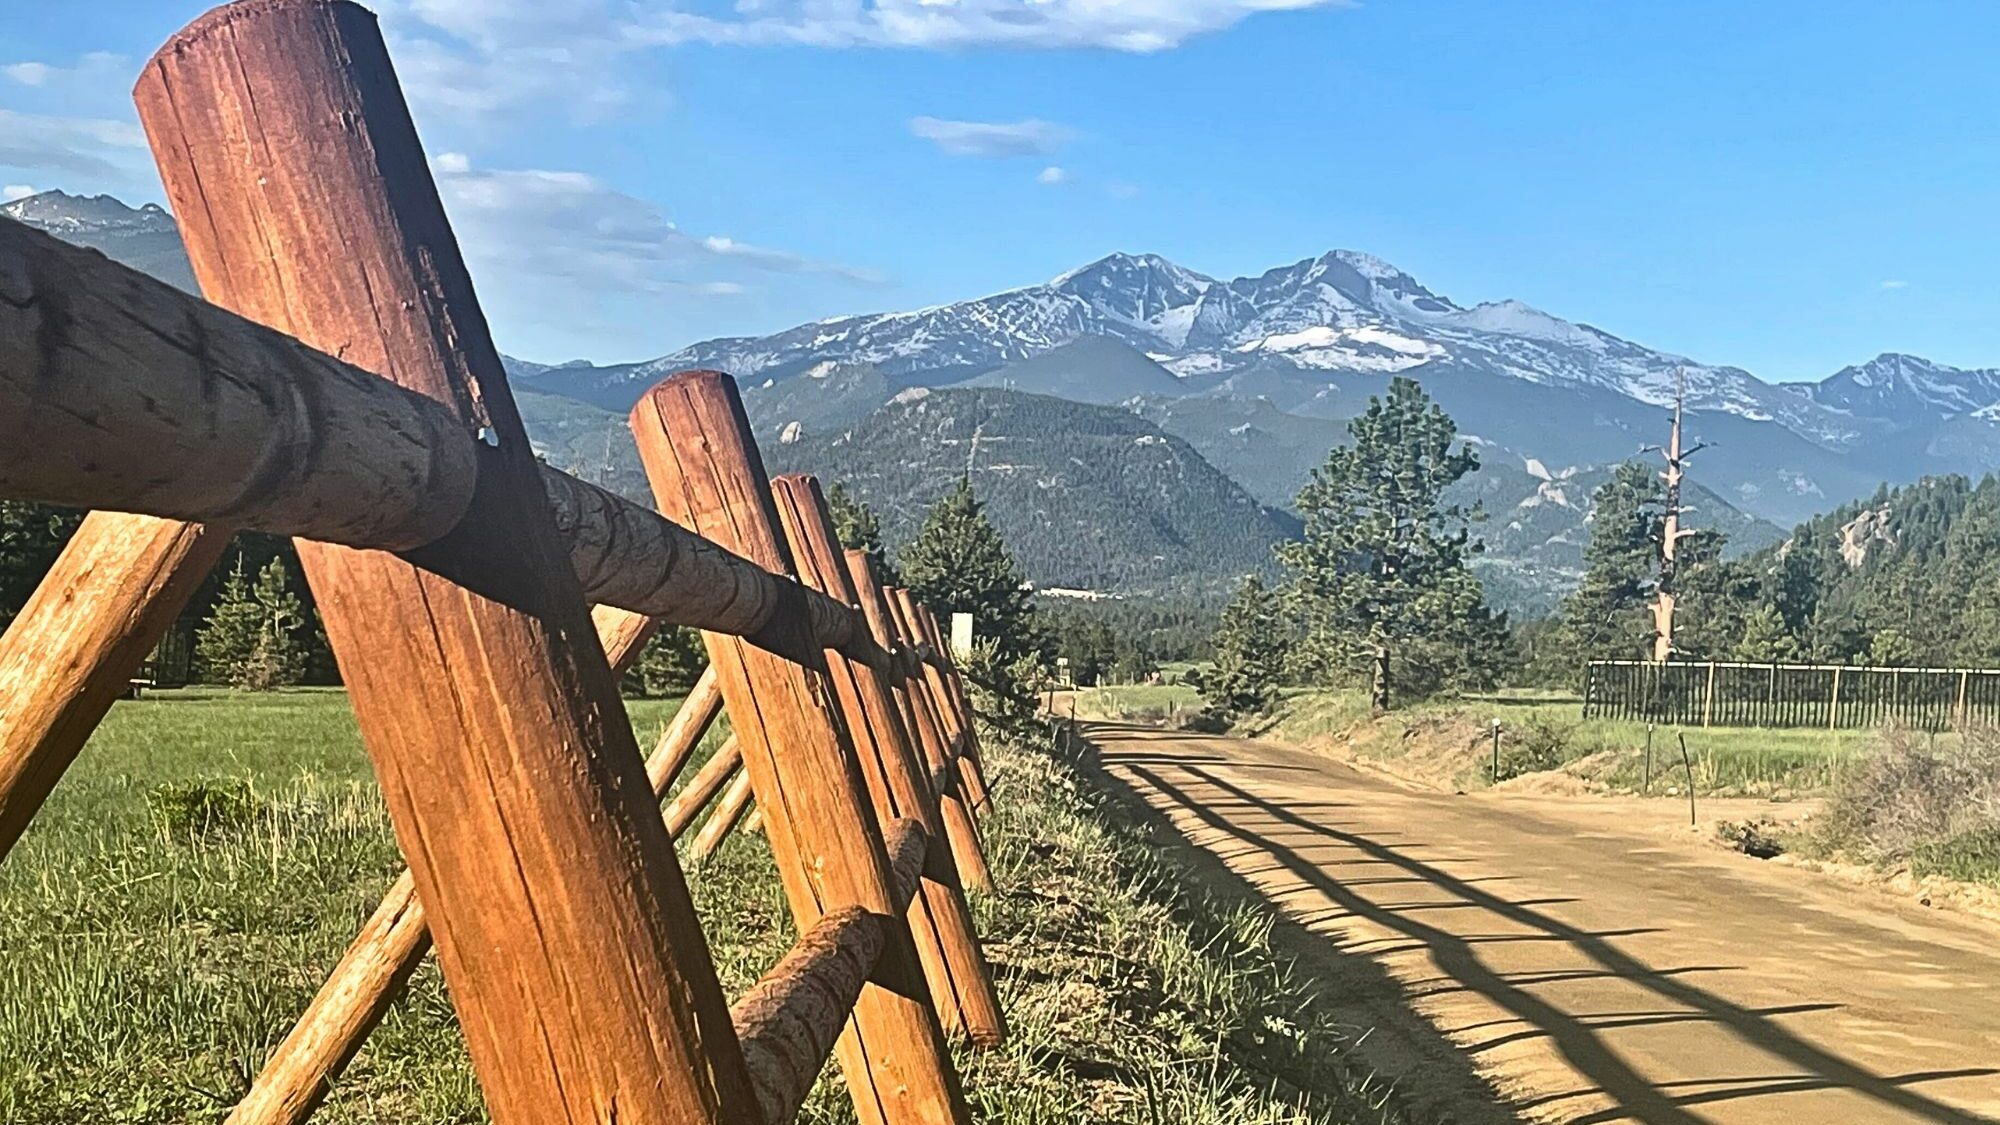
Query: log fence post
70	653
706	474
564	927
940	919
961	830
953	706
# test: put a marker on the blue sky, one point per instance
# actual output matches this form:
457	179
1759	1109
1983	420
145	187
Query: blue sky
1785	186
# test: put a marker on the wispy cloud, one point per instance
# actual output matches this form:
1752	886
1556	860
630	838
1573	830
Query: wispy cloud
1895	283
91	70
1146	25
10	192
87	148
474	59
784	261
534	227
991	139
1051	175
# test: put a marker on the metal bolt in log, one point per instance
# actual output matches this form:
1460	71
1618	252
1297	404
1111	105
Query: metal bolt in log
706	474
941	922
959	828
565	930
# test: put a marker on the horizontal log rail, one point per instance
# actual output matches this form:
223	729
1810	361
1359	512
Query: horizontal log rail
788	1023
84	340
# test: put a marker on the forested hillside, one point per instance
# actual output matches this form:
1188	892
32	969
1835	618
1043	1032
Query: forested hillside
1911	575
1086	496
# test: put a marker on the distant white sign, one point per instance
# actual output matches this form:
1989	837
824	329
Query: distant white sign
961	635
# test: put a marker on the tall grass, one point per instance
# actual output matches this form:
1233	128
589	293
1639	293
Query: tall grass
1932	808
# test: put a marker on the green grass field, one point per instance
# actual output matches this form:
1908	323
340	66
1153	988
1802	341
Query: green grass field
1541	730
210	855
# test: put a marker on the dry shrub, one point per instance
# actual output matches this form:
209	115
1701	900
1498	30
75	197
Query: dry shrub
1912	796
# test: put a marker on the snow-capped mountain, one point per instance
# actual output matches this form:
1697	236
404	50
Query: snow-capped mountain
1253	370
1341	313
144	238
1908	388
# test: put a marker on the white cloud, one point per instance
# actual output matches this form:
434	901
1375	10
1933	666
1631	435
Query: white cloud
92	70
1123	25
88	148
784	261
1051	175
473	59
1119	189
10	192
556	231
991	138
1895	283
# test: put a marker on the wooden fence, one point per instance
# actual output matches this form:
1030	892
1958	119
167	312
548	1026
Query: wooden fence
1829	696
456	577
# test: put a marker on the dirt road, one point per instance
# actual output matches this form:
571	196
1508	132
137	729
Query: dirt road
1592	959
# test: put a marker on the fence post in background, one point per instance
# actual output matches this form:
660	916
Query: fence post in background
574	958
1833	703
929	626
1708	696
940	920
961	831
1958	710
1646	787
706	474
954	721
71	652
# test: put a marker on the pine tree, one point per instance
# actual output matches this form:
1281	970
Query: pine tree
669	664
226	643
1249	653
857	528
1766	640
252	638
959	564
1607	616
280	655
1382	560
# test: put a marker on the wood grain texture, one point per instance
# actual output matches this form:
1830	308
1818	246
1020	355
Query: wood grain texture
120	392
960	830
299	1072
728	813
562	922
72	651
940	920
706	474
702	788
